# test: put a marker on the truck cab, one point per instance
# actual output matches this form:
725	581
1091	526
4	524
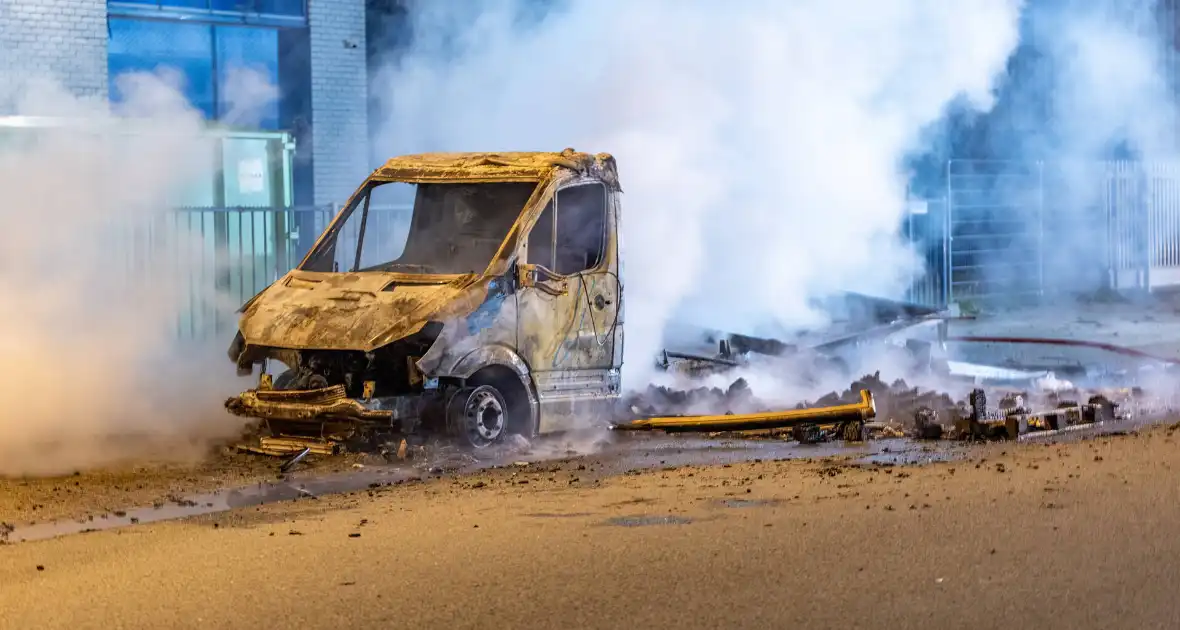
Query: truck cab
474	294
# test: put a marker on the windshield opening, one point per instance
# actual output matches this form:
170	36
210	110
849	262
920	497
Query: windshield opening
422	228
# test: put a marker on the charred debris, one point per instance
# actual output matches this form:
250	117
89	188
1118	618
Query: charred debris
898	410
1022	408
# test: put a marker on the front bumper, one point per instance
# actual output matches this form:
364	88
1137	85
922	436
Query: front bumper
316	405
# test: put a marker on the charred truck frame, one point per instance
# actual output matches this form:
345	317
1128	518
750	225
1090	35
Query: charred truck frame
496	309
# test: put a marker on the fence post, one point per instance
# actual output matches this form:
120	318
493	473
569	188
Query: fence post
948	236
221	262
1112	230
911	288
282	236
1144	211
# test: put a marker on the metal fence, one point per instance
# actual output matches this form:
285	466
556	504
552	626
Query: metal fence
221	257
1027	230
1005	230
214	259
995	230
1144	225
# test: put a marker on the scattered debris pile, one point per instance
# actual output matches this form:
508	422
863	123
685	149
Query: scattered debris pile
903	410
1015	417
896	403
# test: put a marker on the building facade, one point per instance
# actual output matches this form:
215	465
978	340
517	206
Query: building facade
313	51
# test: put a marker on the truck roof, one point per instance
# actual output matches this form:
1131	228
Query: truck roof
518	166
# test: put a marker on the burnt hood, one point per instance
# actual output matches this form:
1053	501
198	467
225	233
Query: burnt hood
349	311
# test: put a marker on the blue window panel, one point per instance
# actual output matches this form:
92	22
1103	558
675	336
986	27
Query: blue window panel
186	4
255	49
277	13
272	7
283	7
238	6
147	46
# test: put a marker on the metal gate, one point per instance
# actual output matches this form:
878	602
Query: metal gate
1024	229
1163	225
1125	196
995	230
1143	208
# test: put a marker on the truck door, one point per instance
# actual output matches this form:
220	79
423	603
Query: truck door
568	319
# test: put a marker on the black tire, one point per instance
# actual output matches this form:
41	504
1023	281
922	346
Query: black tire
477	417
515	394
286	380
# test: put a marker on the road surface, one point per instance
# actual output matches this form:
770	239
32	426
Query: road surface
1073	536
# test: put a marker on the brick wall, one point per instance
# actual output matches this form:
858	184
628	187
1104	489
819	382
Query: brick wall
339	93
64	39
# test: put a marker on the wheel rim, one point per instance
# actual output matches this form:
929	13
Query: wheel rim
485	417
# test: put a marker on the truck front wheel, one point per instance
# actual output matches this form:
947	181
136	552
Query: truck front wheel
477	416
286	380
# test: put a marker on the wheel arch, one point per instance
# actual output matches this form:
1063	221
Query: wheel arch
502	367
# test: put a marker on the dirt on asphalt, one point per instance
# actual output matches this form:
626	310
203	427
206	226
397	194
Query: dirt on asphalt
1072	535
44	507
39	499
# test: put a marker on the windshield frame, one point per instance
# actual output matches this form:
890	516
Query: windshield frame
361	197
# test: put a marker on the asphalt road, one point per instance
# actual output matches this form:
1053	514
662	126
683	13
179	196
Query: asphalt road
1071	536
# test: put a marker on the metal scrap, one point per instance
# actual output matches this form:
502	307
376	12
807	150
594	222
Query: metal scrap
1015	419
282	446
848	418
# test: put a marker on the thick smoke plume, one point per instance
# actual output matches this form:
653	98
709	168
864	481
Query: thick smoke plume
1092	81
760	142
96	274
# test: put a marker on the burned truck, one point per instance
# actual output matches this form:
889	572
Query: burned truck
473	295
477	296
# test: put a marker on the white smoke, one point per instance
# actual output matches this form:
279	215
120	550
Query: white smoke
97	273
1110	88
1092	81
1112	83
759	142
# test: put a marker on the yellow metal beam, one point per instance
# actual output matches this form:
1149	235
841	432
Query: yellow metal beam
861	411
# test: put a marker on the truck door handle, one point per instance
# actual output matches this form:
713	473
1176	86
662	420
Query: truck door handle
600	302
538	276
